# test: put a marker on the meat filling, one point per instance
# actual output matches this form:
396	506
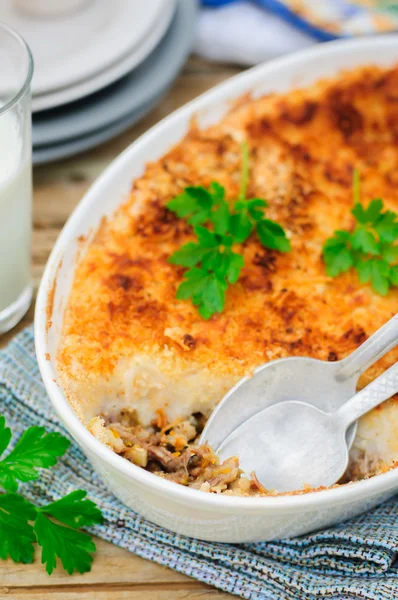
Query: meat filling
171	451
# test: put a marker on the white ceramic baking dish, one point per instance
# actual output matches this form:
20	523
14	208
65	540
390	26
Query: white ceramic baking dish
183	510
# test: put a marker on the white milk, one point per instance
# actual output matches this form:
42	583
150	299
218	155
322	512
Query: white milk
15	213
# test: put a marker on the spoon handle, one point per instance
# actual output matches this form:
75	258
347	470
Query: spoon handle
382	388
370	351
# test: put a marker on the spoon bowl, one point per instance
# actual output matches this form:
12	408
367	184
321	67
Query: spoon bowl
299	445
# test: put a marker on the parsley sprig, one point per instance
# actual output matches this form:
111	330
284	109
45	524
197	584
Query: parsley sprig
22	523
213	261
371	248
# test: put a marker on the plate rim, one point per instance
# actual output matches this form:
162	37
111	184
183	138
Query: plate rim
54	78
104	78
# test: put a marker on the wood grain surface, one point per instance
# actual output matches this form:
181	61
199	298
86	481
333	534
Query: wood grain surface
58	187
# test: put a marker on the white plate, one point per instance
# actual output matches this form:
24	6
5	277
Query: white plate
213	517
75	46
150	79
114	72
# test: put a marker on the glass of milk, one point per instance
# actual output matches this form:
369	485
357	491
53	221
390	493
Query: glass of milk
16	69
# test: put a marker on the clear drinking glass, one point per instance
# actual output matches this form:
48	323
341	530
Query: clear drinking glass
16	69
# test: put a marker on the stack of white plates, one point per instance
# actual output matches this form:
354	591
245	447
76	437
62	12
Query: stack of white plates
100	69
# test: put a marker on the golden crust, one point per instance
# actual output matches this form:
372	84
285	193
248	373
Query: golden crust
304	146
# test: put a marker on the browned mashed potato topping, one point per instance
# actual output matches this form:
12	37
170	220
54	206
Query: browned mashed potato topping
122	315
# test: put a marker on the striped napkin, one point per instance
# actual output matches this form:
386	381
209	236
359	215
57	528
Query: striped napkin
356	559
250	31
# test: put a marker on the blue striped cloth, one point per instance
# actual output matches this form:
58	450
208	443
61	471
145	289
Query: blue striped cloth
355	559
331	19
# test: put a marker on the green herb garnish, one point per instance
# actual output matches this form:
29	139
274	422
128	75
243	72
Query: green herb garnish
22	524
370	249
214	261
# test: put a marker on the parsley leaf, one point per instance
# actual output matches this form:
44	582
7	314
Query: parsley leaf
16	533
5	435
22	524
213	296
221	218
241	226
394	275
206	289
337	254
211	262
72	547
253	207
35	449
197	203
365	241
272	235
233	265
74	510
380	276
370	214
188	255
370	249
386	227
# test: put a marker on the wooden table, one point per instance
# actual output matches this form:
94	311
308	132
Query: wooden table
116	574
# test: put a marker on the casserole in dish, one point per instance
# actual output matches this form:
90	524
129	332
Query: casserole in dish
82	340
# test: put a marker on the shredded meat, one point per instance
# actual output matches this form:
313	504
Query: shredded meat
255	483
165	458
217	477
171	453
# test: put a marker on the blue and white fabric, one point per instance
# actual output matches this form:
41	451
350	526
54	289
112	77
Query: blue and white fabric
251	31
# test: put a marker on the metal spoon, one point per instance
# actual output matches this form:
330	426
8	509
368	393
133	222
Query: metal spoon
293	444
326	385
